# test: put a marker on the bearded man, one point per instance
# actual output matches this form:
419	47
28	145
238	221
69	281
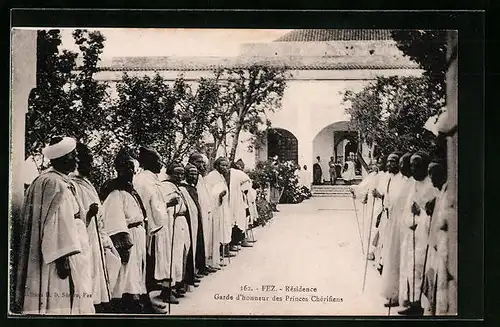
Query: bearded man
394	201
416	220
124	217
189	190
219	190
149	188
182	215
434	299
212	256
88	198
54	269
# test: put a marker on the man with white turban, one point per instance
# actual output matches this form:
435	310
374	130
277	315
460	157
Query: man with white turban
54	268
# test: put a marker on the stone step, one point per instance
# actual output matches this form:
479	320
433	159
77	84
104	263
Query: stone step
332	195
331	191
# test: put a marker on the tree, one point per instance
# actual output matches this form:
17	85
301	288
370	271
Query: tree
48	103
245	95
67	100
170	118
392	111
428	49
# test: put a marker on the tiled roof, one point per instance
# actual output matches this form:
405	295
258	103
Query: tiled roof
315	35
290	62
294	67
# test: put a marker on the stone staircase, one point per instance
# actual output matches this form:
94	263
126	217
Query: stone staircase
338	190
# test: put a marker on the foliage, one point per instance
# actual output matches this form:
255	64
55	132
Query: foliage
245	95
428	49
67	99
392	111
282	176
170	118
174	118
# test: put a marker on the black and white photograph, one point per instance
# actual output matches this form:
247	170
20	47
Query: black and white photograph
233	172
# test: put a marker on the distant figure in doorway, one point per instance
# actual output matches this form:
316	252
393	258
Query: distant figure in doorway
305	177
275	192
317	172
333	173
349	170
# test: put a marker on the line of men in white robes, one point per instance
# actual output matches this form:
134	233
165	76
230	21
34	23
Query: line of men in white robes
406	211
136	246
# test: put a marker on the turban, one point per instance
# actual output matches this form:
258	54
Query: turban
146	154
205	158
122	157
190	166
58	149
439	160
397	153
83	152
406	156
423	155
219	160
194	156
172	166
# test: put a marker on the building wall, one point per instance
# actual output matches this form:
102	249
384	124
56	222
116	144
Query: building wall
308	108
313	100
357	48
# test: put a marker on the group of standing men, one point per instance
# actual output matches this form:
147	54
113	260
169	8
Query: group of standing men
407	206
347	173
137	245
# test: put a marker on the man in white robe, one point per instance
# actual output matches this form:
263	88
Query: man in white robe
394	201
206	206
89	201
416	220
124	217
434	295
364	192
183	256
240	184
349	170
380	214
305	177
190	194
149	188
252	206
219	191
54	268
388	186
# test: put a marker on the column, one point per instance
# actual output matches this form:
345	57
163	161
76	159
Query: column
452	147
23	79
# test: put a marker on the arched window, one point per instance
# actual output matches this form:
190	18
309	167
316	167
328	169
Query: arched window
283	144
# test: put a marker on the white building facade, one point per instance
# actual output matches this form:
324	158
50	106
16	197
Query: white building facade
323	64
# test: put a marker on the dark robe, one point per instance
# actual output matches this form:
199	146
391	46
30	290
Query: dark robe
199	253
317	173
188	260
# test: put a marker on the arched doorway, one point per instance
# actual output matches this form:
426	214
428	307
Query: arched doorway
282	143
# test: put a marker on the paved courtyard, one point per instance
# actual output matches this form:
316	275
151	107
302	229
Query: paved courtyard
314	245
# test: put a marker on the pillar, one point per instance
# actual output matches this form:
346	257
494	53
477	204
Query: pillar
452	148
23	80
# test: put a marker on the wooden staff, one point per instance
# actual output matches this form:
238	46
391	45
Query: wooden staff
357	221
363	225
106	277
369	238
414	246
171	260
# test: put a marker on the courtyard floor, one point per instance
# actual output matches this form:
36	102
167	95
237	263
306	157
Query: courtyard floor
314	244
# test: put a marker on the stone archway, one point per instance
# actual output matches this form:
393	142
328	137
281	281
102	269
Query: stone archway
282	143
